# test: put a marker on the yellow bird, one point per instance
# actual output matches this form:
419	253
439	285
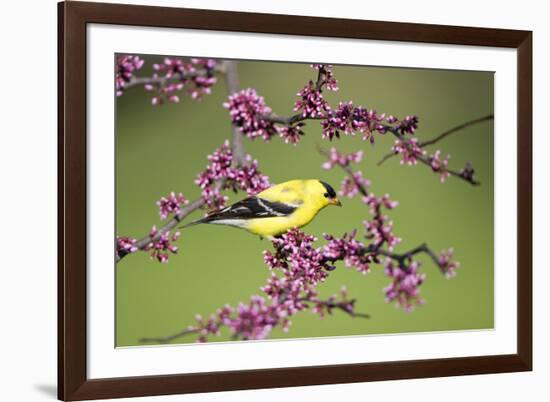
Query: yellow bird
273	211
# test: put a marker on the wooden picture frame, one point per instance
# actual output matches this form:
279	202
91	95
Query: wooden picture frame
73	382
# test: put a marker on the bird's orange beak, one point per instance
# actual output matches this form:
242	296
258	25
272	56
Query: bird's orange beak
335	201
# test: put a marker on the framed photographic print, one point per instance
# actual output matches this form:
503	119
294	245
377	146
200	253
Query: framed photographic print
252	200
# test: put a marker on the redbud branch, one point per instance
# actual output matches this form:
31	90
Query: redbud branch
298	117
441	136
172	223
455	129
376	249
342	306
401	258
168	339
426	161
135	81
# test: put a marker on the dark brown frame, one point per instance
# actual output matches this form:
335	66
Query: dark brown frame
73	383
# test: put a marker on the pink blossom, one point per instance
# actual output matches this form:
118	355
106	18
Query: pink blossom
125	245
174	74
349	250
338	120
439	165
248	110
171	204
409	150
159	248
353	185
126	65
446	265
291	134
221	169
337	159
404	289
349	119
380	229
327	76
408	125
311	102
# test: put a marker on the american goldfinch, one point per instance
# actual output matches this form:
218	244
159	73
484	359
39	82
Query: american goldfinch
273	211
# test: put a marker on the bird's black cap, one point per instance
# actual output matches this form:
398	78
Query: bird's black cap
330	191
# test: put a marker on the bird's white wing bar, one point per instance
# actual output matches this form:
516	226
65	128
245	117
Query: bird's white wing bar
250	208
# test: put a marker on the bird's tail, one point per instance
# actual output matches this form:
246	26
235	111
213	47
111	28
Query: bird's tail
197	222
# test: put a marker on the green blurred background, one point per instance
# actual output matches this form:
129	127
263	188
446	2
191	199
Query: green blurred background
161	149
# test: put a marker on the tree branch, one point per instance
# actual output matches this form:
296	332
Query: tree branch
170	338
455	129
136	81
401	258
329	304
376	249
342	306
441	136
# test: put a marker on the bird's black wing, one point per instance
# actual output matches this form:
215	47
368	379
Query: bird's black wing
251	208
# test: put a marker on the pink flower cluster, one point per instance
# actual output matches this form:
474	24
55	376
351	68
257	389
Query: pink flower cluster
291	134
327	76
253	320
349	120
446	264
303	268
409	150
125	245
248	111
406	126
406	280
125	67
348	249
380	228
353	185
222	170
250	114
174	74
337	159
311	103
439	165
171	204
159	248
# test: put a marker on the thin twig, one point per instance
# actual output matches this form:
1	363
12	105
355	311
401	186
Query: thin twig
136	81
455	129
168	339
441	136
401	258
343	306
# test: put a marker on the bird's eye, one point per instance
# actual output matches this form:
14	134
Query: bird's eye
326	195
